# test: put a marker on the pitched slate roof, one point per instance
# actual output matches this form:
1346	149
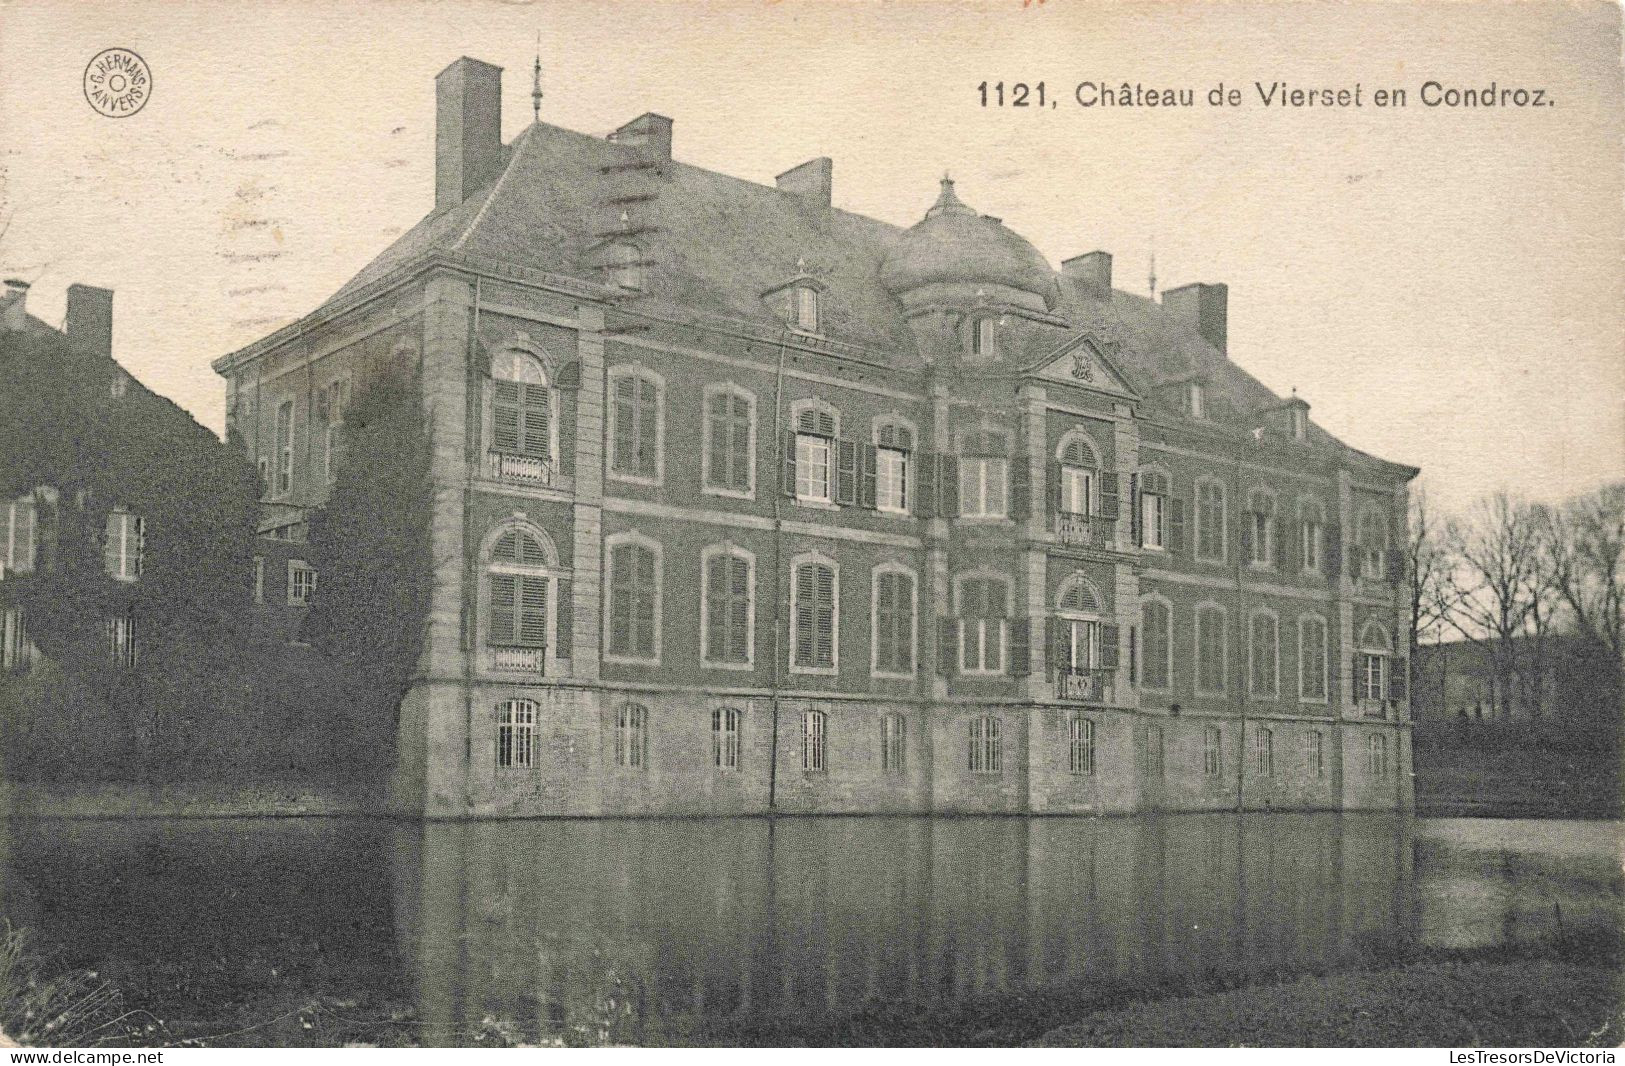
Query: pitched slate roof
717	243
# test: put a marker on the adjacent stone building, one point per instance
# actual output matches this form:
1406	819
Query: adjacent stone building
746	503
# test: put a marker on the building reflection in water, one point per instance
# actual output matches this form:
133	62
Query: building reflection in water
612	930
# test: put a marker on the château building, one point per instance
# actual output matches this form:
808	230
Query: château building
746	503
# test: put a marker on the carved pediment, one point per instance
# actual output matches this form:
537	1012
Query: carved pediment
1088	361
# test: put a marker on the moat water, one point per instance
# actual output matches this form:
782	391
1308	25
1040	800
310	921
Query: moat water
615	930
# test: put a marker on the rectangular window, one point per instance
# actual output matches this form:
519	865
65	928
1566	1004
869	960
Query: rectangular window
982	487
892	490
1263	539
894	622
632	736
807	308
1264	753
1371	679
1312	659
284	448
259	579
301	583
1376	755
633	591
1313	540
813	616
983	627
725	738
16	651
122	644
635	421
728	463
518	611
812	741
18	536
986	746
893	737
1153	521
1081	753
1264	655
1210	521
1210	650
1212	752
1314	753
728	609
814	455
123	545
516	734
1156	624
1077	490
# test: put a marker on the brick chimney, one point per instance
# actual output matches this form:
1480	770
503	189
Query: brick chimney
14	305
1091	273
89	322
467	130
649	131
813	180
1202	308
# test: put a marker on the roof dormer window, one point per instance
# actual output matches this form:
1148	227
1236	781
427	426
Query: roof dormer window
1300	424
806	308
984	337
1195	400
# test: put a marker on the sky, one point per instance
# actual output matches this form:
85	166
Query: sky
1443	285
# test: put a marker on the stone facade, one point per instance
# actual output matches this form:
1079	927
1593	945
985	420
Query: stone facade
723	371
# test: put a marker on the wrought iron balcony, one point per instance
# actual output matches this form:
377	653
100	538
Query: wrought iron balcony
1083	685
524	469
1085	530
519	660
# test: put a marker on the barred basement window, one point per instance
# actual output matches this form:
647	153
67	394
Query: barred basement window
727	614
122	645
813	738
123	545
1314	753
1081	751
1376	755
986	746
16	651
301	583
813	615
1151	753
725	738
632	736
893	736
18	535
516	734
1264	753
1212	752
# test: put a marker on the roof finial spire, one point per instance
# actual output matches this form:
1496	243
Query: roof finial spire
1153	268
536	81
946	200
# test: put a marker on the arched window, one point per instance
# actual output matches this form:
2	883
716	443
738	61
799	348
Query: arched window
983	608
893	620
516	734
1373	537
728	606
814	614
523	419
1312	659
1311	534
730	441
1264	655
725	738
1083	641
634	594
1258	529
1374	674
1081	750
986	746
813	738
893	743
123	545
894	458
1210	520
636	425
1157	508
1156	643
632	736
1210	650
521	587
810	452
1079	474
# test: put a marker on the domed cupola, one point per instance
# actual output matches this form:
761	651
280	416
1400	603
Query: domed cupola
956	256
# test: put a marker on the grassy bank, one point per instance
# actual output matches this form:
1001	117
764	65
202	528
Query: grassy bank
1523	769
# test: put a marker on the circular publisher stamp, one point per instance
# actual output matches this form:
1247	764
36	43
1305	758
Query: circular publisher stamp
118	83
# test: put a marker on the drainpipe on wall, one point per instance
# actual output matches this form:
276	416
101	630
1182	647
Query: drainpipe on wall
778	575
469	622
1243	633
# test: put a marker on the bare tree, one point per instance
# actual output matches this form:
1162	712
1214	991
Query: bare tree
1584	553
1428	569
1494	584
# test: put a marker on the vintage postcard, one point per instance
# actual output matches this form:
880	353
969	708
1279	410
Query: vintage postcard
996	523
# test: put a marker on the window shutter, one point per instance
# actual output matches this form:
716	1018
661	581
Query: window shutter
804	614
1110	639
621	455
1396	566
716	439
1332	563
533	611
1398	678
948	485
947	645
505	416
1176	523
922	468
744	412
1109	494
826	615
564	624
866	476
739	601
1136	532
1053	484
645	619
1021	487
846	473
716	606
567	434
1133	655
1247	520
1021	651
1060	652
788	447
535	405
620	598
504	600
1289	544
